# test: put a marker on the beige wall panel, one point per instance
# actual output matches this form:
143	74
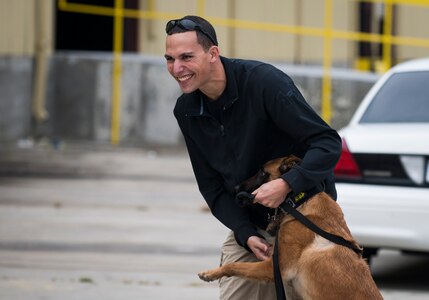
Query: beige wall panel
408	52
412	21
345	18
313	13
254	43
272	11
152	32
221	9
262	44
17	27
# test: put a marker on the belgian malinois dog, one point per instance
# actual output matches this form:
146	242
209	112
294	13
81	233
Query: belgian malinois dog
311	266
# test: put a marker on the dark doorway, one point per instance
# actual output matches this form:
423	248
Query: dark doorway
90	32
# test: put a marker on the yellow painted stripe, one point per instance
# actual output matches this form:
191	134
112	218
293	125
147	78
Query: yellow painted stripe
117	73
387	41
327	63
201	7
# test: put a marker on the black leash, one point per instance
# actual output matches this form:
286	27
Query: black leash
280	290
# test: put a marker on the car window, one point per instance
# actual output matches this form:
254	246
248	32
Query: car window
403	98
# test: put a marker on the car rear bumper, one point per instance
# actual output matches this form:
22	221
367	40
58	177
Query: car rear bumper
386	216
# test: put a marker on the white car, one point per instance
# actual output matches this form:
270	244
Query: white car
383	173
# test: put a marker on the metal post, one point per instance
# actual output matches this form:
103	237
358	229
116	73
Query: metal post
117	72
387	35
327	62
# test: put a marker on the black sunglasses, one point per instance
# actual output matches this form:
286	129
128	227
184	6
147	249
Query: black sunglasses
188	25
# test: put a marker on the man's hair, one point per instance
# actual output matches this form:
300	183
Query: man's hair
205	26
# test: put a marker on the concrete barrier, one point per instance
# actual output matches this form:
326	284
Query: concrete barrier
79	98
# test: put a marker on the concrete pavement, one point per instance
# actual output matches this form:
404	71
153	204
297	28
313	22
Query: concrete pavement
99	222
87	222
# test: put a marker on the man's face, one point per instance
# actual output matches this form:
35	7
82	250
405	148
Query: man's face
187	61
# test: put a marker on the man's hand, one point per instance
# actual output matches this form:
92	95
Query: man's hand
272	193
260	247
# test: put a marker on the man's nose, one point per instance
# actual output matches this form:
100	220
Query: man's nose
177	67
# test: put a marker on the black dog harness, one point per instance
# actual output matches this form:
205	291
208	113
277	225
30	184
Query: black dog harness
289	207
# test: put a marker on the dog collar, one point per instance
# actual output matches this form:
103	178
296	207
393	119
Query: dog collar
293	200
296	199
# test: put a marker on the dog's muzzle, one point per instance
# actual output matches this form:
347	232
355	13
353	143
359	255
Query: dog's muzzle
244	198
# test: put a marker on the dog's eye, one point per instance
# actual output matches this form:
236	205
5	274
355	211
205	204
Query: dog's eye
262	173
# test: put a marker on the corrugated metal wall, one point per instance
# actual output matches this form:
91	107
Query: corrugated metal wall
18	20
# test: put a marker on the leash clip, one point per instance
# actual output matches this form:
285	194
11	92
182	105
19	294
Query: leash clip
273	218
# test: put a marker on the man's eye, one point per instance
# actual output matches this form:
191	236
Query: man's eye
186	57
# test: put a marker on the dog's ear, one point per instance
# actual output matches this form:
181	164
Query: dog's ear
287	163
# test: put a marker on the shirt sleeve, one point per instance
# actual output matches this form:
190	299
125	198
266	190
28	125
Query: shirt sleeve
286	106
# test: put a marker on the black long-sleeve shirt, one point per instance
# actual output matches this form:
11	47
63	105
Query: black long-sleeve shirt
264	116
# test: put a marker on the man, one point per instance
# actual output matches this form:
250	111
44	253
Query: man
235	115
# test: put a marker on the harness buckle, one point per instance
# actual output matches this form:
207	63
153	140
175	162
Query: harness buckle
290	202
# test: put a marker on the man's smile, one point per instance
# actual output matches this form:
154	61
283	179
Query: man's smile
184	77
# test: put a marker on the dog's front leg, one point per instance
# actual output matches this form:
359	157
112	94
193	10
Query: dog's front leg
261	271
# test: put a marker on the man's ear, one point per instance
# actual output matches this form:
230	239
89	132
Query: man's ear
214	53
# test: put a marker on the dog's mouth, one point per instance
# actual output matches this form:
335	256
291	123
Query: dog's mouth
244	198
254	182
269	171
244	190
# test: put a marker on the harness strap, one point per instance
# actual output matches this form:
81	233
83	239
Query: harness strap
280	290
329	236
290	209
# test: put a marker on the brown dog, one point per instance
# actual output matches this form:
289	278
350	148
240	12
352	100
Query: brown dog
311	266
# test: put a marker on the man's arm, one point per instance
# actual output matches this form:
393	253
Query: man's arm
221	203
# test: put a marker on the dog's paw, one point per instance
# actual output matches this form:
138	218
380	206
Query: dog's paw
205	276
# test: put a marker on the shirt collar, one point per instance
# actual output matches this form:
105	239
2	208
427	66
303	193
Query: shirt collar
195	105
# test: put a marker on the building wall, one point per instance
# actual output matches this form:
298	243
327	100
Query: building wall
19	27
78	89
412	21
19	21
79	98
236	41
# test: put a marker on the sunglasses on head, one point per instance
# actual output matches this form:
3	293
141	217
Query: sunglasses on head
187	25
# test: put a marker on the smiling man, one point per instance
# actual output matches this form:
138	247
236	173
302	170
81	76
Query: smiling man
235	115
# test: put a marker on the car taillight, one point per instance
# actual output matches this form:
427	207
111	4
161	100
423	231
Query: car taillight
347	167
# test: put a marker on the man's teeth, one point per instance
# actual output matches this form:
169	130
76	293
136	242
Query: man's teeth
183	78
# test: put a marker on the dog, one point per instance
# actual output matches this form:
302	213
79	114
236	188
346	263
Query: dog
311	267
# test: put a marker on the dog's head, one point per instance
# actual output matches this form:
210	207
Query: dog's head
271	170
